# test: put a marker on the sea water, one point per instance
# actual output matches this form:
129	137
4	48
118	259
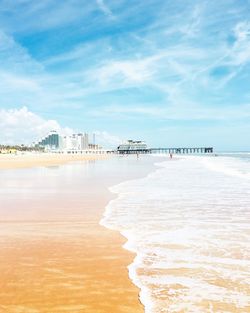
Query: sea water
188	223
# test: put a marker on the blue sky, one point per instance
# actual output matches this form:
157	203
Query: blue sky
173	73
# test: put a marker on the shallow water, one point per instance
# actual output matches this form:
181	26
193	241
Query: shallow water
189	224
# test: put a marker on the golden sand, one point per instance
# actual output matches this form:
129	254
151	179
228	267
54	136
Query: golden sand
8	161
55	257
84	272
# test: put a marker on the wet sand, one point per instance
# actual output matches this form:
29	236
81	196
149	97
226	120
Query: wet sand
55	257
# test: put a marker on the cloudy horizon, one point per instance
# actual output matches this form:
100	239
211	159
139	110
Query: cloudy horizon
170	73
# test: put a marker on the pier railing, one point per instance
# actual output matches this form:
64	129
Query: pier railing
196	150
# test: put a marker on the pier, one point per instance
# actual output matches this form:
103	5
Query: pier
196	150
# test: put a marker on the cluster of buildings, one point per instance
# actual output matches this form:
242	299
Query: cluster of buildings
75	142
79	143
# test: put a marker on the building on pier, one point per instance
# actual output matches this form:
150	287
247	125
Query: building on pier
136	147
131	145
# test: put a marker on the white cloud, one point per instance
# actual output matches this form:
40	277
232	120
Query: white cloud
130	71
42	15
240	54
185	111
15	82
192	28
242	31
174	59
15	58
22	126
148	69
105	9
107	140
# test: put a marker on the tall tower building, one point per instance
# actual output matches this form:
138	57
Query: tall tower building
82	141
86	141
51	141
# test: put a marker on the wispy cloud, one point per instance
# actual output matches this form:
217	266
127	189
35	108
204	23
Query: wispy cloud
240	53
190	112
106	139
97	61
42	16
105	9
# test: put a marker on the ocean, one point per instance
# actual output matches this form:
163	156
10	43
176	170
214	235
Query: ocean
188	223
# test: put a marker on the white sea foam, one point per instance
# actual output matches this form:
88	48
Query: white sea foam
188	223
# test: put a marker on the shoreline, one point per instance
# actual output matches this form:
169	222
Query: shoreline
121	216
72	244
157	166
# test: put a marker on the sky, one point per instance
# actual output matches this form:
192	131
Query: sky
173	73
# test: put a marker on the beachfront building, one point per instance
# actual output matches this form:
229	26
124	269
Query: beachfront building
50	142
83	141
93	146
74	143
132	145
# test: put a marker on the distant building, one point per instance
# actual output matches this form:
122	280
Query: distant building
66	143
74	142
83	141
132	145
94	147
51	142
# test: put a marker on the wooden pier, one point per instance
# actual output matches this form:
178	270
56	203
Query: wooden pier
196	150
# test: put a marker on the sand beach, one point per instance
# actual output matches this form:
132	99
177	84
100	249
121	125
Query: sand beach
24	160
187	238
55	257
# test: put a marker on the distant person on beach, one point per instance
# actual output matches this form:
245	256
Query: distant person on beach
171	155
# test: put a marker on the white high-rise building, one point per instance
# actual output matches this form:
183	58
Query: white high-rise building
75	142
82	141
86	141
67	143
